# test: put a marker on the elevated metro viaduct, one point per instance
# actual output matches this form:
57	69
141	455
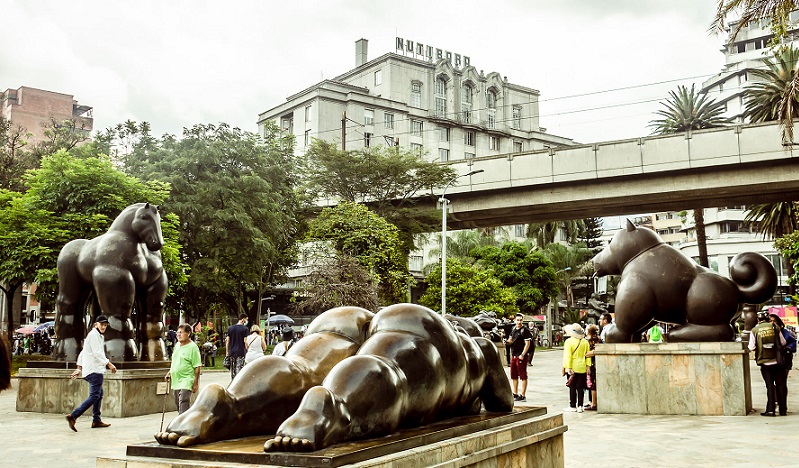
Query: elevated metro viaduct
737	165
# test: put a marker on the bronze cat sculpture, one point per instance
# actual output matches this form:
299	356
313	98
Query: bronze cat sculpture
659	283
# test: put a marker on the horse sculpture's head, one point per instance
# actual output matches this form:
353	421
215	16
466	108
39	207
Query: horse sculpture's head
147	225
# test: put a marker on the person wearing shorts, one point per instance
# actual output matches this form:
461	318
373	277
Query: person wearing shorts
520	340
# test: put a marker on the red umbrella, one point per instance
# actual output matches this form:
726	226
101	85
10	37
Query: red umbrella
26	330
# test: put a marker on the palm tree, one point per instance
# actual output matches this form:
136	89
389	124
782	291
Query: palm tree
776	220
544	233
689	110
775	96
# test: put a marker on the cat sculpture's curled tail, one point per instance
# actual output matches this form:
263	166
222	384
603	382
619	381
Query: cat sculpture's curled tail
755	277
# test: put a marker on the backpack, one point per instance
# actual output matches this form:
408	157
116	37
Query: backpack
655	334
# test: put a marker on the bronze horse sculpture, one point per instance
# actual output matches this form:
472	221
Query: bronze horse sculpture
116	271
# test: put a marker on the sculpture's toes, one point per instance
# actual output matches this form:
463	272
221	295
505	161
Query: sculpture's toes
173	437
288	444
186	441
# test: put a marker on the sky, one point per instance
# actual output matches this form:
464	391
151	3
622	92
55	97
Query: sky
176	63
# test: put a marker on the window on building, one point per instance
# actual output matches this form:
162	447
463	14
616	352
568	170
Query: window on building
415	262
491	99
466	103
307	137
468	138
520	230
367	139
287	123
491	118
517	117
443	154
416	94
417	127
307	113
378	77
493	143
417	148
517	147
388	120
441	97
443	134
468	155
368	116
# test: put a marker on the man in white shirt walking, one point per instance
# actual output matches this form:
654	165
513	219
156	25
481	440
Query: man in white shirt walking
91	365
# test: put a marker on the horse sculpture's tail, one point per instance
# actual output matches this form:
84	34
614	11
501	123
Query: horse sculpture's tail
755	277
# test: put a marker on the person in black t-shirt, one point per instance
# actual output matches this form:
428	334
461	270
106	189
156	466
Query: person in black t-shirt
520	340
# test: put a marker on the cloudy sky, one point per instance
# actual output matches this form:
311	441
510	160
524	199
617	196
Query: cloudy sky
177	63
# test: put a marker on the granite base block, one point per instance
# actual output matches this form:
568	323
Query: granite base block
709	379
523	438
126	393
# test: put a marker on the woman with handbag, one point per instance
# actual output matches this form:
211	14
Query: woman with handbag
575	365
592	336
255	344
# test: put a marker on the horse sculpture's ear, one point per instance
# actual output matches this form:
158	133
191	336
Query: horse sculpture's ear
630	226
146	206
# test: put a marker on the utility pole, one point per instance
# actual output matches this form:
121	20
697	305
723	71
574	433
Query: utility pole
344	131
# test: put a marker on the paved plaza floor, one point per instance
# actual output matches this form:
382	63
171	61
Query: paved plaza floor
44	440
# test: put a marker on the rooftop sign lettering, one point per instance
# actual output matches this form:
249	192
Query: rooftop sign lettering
428	52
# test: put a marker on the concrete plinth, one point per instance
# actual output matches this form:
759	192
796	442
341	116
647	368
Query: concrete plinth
709	379
128	392
519	439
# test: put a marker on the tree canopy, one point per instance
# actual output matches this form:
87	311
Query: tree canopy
529	274
352	229
470	289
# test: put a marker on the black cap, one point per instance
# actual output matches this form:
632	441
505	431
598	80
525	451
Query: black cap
763	315
288	334
101	319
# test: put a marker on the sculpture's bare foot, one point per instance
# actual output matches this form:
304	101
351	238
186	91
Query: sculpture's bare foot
318	423
204	422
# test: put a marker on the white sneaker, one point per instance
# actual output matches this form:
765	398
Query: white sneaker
579	409
569	409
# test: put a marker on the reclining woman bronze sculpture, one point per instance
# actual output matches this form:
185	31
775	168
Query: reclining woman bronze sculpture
354	375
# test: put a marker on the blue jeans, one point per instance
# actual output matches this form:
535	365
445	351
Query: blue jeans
95	397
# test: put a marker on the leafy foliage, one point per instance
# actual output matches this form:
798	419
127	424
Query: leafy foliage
352	230
470	289
544	233
14	158
752	11
528	273
338	281
233	192
788	246
688	110
777	220
386	178
569	262
774	96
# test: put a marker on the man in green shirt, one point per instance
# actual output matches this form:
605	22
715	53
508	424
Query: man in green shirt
185	369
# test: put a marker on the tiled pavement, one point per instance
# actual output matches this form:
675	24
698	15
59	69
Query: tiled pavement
44	440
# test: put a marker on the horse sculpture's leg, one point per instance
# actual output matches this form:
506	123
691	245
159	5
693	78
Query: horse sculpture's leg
151	326
116	292
72	294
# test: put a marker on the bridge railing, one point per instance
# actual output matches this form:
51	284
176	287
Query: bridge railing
739	144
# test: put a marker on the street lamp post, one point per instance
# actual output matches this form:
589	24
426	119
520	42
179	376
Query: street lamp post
549	311
444	202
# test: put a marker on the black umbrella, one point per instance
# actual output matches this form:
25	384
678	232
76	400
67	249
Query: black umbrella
280	318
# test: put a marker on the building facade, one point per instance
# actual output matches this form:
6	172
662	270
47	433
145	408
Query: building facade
444	111
33	109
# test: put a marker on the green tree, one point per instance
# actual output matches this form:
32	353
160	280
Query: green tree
233	192
69	198
387	179
544	233
776	220
470	289
528	273
58	135
788	246
772	97
338	281
569	262
590	236
352	229
683	111
14	157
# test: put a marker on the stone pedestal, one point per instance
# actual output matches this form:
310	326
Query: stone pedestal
502	356
128	392
519	439
708	379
